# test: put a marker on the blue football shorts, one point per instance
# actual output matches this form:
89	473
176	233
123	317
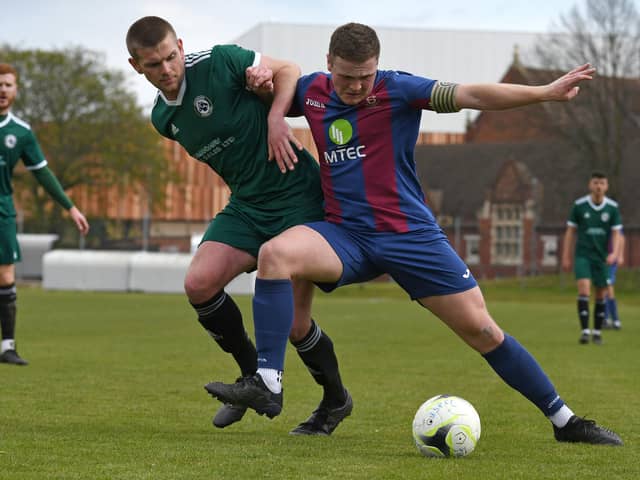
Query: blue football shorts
422	262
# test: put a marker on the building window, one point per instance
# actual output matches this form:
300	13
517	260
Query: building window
472	253
549	250
506	235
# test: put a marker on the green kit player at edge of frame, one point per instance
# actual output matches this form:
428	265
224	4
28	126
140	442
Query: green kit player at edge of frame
18	142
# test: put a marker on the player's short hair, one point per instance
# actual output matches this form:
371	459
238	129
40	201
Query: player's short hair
5	69
147	32
598	174
354	42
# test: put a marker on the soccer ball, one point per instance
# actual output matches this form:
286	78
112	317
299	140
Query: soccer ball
446	426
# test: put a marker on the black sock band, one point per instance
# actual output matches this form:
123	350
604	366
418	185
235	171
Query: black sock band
316	351
583	312
8	311
310	340
221	318
599	311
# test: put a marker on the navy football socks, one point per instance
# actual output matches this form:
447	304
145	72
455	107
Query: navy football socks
521	371
272	318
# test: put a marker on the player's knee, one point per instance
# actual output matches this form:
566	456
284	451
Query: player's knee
198	288
273	258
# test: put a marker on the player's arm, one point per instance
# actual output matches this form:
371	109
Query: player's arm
621	242
614	256
50	183
567	247
502	96
285	78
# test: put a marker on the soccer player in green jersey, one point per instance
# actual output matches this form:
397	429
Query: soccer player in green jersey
205	104
17	142
595	220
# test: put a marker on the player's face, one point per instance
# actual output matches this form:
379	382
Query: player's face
8	91
162	65
353	82
598	188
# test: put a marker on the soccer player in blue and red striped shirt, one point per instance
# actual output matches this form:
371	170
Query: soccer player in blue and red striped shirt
365	123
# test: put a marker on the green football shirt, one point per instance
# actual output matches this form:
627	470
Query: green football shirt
17	141
220	123
594	224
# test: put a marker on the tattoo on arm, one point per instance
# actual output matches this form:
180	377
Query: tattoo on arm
488	332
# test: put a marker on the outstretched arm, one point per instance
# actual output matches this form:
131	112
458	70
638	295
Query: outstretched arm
501	96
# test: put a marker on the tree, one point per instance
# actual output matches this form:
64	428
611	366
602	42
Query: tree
91	129
606	116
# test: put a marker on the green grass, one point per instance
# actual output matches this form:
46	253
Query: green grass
114	391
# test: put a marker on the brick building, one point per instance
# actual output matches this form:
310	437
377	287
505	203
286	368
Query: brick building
502	189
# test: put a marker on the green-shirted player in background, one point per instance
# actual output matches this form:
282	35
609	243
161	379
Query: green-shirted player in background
17	142
205	104
596	219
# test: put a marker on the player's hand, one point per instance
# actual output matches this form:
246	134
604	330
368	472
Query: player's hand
79	219
566	87
611	259
280	139
566	264
259	80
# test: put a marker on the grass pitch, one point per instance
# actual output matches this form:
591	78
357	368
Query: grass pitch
114	390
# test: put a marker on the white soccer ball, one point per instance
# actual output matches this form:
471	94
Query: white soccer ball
446	426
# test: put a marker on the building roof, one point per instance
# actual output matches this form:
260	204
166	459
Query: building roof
553	120
459	178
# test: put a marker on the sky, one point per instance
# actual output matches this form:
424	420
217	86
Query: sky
102	26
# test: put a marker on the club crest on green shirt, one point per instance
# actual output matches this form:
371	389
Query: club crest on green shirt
10	140
203	106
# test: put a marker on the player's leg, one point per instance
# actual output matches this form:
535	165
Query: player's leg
229	247
213	266
434	275
466	314
599	312
315	349
8	352
607	322
600	279
582	270
612	304
300	253
9	254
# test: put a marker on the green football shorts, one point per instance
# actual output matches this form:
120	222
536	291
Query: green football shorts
9	248
247	228
597	271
